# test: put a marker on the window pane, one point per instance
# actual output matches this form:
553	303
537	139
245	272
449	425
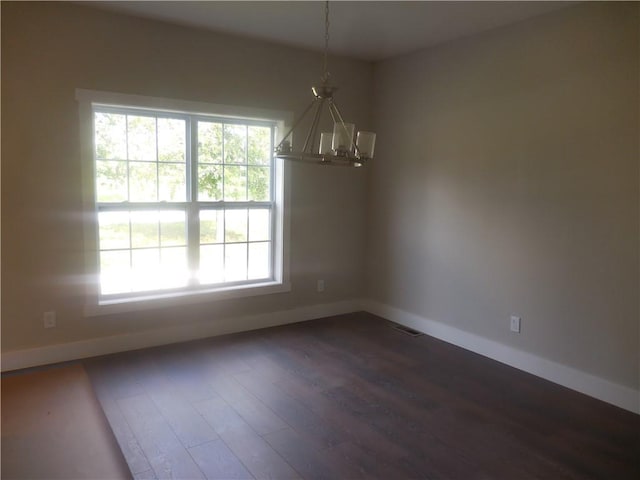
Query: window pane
174	267
171	140
258	260
115	272
235	140
211	226
259	145
173	183
173	228
259	226
235	262
259	183
111	181
110	136
209	142
142	138
145	156
209	182
211	264
143	184
235	226
144	229
114	230
235	183
145	269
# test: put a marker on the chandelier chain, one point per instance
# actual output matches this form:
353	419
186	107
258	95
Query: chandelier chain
325	73
339	148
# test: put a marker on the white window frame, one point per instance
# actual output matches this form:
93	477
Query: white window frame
98	304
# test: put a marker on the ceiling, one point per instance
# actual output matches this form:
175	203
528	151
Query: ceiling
367	30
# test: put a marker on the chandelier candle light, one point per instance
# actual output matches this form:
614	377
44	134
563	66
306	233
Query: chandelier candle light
332	148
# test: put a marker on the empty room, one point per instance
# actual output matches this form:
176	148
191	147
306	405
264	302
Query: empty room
320	240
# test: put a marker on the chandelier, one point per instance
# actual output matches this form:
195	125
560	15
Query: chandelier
336	148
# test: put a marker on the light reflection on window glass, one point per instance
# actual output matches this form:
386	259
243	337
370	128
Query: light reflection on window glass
235	262
258	260
144	159
211	264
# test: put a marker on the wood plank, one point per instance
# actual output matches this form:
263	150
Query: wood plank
371	464
310	395
128	443
185	374
186	422
312	463
255	453
436	458
261	418
301	418
167	456
102	381
218	462
146	475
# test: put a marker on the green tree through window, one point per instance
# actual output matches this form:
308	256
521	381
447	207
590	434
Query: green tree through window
159	229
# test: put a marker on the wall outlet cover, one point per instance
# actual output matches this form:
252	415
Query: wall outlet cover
515	323
49	319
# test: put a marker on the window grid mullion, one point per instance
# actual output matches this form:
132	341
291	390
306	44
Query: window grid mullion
157	164
246	162
247	243
126	135
158	192
223	161
141	206
191	152
224	213
224	245
126	138
193	212
272	199
130	244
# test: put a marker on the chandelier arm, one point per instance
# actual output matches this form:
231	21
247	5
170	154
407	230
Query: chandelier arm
333	116
312	130
297	122
341	121
317	127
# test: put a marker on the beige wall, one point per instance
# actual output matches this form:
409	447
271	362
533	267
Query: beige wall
49	50
506	181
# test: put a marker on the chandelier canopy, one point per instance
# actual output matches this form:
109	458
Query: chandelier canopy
336	148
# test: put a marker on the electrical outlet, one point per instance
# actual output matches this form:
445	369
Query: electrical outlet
320	286
515	324
49	319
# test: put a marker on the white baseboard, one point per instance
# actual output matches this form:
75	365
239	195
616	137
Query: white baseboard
613	393
14	360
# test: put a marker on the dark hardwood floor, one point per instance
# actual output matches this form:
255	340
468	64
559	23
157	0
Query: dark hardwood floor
350	397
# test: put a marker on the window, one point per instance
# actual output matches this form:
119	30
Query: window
185	203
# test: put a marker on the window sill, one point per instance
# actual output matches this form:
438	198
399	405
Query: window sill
157	300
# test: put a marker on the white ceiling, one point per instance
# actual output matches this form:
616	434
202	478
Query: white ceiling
367	30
